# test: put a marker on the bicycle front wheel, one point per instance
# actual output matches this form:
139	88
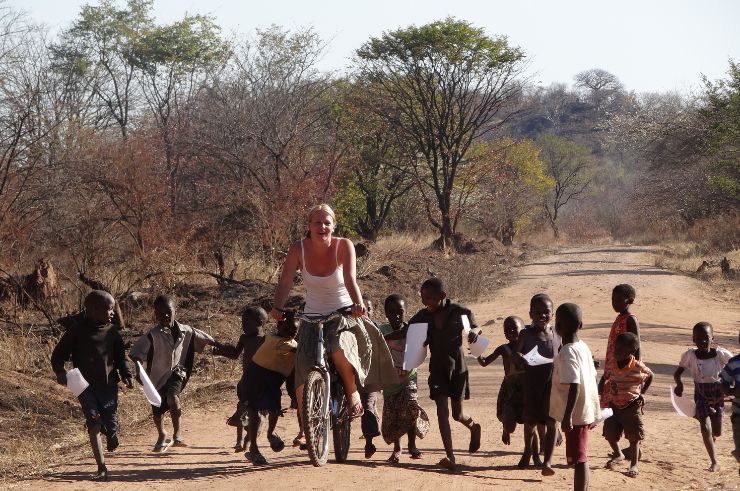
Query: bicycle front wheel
315	417
340	426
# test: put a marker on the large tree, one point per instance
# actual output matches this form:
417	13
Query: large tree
571	167
447	82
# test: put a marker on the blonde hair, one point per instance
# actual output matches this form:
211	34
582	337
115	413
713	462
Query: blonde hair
322	208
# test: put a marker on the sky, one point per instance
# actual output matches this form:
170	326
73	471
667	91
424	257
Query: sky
651	45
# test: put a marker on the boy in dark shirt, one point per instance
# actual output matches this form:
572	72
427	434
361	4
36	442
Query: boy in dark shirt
538	379
253	320
448	372
96	349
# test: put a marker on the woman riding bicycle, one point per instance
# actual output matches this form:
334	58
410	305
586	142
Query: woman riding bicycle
328	268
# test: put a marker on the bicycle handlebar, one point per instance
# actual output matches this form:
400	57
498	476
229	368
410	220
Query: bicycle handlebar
314	318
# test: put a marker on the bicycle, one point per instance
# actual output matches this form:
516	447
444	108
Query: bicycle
324	402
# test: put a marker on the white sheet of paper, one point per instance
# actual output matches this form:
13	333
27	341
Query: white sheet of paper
76	382
477	348
683	405
415	352
607	412
534	358
148	387
466	324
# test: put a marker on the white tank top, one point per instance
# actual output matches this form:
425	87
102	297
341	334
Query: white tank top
324	294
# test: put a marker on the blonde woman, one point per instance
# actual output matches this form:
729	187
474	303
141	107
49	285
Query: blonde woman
328	268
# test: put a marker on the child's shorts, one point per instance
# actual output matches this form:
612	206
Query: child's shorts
173	387
455	386
100	405
261	390
627	420
576	445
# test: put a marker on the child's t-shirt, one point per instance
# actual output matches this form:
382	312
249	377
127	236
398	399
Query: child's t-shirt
730	375
705	371
574	365
397	348
276	354
624	385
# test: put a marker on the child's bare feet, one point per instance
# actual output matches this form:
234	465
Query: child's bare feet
547	470
714	467
415	454
475	434
633	472
524	461
447	463
395	457
614	459
506	438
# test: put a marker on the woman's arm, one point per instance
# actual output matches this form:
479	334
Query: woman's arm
290	266
349	269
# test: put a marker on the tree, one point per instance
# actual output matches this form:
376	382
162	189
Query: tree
378	161
97	54
447	82
571	167
514	189
171	60
721	114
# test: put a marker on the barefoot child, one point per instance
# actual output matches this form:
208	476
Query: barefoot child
253	320
264	376
167	353
448	372
96	349
509	402
730	377
628	380
574	400
623	296
538	379
402	414
705	363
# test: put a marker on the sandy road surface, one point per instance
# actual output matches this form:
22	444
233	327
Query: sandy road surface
674	457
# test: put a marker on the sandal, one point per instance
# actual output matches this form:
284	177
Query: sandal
447	464
475	433
239	448
298	441
633	472
276	443
179	442
395	458
416	454
256	458
162	446
369	450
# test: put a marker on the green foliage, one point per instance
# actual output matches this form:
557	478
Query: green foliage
445	82
182	47
722	114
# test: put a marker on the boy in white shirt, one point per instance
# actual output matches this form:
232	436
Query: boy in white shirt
574	400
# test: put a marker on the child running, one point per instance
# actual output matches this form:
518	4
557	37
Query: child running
574	400
705	363
730	378
510	398
623	296
167	353
96	349
402	414
264	376
253	320
448	372
538	380
629	379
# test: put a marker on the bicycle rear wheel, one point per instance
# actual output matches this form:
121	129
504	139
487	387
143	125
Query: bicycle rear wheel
340	426
316	419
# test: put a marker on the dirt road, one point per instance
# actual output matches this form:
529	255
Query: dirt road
674	457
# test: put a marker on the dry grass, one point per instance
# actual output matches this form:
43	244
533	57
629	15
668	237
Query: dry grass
687	257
